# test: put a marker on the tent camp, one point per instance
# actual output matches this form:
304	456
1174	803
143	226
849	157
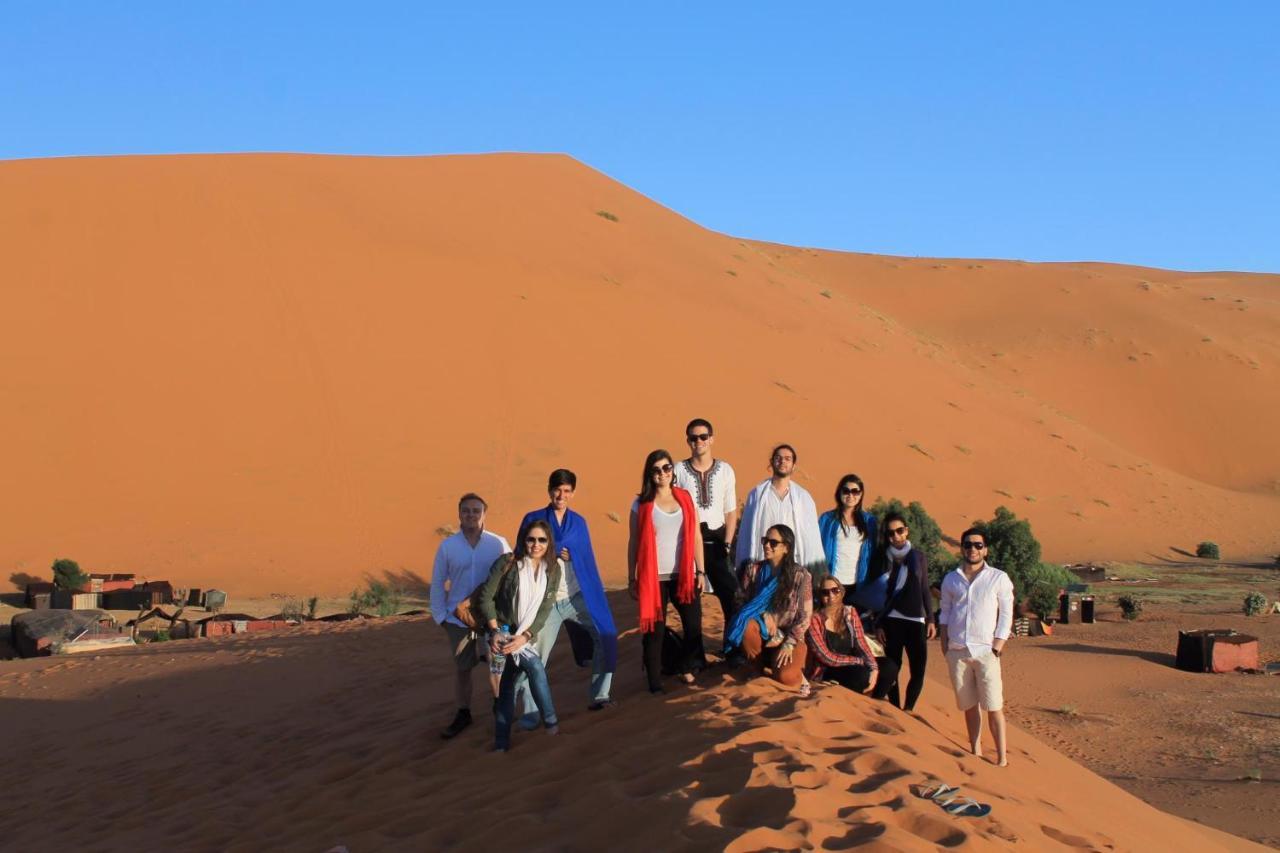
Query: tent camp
38	633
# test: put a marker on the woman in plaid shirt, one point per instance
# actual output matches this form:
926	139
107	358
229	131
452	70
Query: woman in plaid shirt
838	650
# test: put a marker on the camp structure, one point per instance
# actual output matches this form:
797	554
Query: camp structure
225	624
39	633
1216	650
156	624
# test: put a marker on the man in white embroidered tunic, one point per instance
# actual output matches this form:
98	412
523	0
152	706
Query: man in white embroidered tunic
715	496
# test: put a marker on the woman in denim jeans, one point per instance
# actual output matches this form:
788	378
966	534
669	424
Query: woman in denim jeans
519	594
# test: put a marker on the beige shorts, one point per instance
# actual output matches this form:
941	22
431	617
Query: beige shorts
976	679
462	642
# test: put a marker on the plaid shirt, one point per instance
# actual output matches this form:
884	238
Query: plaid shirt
823	656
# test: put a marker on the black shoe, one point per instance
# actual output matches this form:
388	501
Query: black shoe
460	721
601	704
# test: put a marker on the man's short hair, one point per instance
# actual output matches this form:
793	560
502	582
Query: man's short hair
973	531
472	496
795	457
562	477
699	422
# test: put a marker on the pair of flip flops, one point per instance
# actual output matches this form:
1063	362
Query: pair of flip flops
949	799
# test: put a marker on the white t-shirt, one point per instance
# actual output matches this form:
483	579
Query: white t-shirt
568	582
718	499
668	529
848	550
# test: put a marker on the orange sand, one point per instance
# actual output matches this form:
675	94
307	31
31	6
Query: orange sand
275	373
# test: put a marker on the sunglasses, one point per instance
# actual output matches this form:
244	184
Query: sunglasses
535	540
897	531
850	490
827	592
664	468
696	438
973	546
770	543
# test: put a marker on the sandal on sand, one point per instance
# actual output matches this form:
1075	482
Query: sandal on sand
936	792
965	807
805	690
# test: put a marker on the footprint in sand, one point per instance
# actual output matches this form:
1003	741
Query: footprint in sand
857	836
755	807
1064	838
934	830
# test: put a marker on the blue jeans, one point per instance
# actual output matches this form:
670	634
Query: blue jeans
521	666
572	609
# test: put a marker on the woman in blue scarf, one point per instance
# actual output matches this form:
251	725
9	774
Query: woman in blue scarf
581	597
848	539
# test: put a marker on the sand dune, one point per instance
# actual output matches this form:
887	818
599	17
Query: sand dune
276	373
326	736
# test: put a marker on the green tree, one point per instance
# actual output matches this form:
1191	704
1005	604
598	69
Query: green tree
1254	604
925	534
67	574
1012	547
1208	551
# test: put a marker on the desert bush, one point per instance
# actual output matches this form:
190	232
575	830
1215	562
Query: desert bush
1130	606
1254	604
1042	600
604	214
1043	584
379	597
1208	550
67	574
292	610
1012	547
925	535
311	607
160	636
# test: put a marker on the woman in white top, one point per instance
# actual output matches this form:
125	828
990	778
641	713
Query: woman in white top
664	564
848	538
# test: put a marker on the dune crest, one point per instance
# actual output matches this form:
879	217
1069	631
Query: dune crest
276	373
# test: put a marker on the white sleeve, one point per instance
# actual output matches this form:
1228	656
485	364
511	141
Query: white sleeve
945	596
439	569
1004	611
730	491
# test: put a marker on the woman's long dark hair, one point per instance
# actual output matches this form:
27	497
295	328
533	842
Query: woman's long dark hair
647	487
858	520
522	547
786	569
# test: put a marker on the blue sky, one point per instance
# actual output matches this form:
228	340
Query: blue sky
1133	132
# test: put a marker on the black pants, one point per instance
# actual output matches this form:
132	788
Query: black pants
715	561
902	634
693	658
856	678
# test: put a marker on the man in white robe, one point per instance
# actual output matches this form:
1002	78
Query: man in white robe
780	500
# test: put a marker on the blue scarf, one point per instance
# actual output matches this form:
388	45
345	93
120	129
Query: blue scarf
752	610
573	534
829	527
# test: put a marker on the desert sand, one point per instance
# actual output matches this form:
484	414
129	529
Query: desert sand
327	736
276	373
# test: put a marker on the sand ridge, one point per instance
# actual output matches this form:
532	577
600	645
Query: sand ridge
276	373
327	736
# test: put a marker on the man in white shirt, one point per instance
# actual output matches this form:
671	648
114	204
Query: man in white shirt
975	623
714	488
780	500
462	563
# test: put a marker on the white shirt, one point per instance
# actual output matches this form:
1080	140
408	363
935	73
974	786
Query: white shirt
568	581
719	498
764	508
977	613
459	569
533	587
668	529
848	550
775	510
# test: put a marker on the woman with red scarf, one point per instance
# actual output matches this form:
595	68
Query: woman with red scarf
664	564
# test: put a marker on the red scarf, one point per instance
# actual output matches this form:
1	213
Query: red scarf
647	560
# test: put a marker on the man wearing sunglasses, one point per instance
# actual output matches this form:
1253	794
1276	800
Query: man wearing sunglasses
462	563
714	488
781	500
975	622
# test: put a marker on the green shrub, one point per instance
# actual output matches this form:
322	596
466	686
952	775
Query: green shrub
1012	547
311	607
1254	604
1042	600
160	636
292	610
67	574
604	214
926	535
1208	550
1043	584
1130	606
380	597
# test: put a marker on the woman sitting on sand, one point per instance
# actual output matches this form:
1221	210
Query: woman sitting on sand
838	650
848	539
664	564
517	597
777	596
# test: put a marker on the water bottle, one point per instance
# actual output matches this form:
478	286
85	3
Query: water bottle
497	662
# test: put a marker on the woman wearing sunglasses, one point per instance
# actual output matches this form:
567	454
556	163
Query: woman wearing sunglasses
777	595
848	538
518	595
906	622
838	650
664	565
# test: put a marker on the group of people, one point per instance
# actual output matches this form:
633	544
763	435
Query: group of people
799	593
